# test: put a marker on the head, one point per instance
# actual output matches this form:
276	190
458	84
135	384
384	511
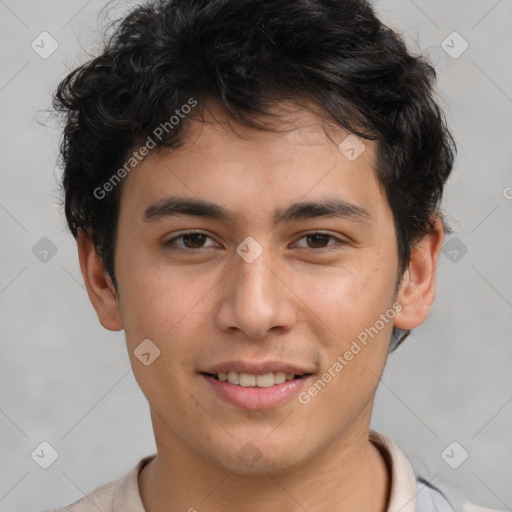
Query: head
252	106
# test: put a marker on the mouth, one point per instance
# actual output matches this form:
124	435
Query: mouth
249	380
255	386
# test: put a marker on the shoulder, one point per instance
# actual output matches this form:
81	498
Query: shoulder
101	498
443	496
416	488
115	496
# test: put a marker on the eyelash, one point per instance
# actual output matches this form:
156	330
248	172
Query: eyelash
170	242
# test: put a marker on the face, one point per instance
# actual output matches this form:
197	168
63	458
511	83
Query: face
266	288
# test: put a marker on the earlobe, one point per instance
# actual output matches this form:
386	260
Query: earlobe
417	289
98	283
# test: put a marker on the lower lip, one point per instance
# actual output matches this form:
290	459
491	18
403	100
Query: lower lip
255	398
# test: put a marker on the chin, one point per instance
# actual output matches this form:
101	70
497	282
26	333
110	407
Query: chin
258	458
260	468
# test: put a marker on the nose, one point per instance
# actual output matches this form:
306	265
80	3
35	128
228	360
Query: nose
255	298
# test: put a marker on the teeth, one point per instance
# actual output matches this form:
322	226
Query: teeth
279	377
248	380
233	378
265	381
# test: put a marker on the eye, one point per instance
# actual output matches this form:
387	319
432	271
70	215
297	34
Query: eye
320	240
194	240
191	240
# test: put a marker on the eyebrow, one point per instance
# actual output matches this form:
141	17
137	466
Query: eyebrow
330	207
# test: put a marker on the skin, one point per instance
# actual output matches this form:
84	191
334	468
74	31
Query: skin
301	301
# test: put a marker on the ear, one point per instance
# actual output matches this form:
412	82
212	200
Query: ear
417	290
99	286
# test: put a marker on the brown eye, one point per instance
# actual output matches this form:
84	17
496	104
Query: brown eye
318	241
188	241
193	240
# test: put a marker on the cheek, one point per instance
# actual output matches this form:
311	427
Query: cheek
347	299
367	328
353	357
165	306
155	300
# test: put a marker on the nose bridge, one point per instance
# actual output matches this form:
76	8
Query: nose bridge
254	280
254	299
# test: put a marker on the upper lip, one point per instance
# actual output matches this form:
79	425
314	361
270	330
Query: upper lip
256	368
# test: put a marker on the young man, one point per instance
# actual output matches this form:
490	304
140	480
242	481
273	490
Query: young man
254	187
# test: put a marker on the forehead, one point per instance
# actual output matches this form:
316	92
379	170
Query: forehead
221	161
287	123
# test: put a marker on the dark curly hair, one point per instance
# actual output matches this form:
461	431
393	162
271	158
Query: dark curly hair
247	55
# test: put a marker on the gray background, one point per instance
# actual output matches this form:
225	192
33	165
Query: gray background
66	380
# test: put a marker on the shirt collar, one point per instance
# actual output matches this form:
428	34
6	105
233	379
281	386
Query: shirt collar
127	495
403	481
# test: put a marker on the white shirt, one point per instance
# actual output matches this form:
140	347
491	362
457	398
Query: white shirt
409	492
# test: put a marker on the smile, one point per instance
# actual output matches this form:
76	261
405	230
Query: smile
264	380
255	392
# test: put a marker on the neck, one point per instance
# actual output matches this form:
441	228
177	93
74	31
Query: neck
352	475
